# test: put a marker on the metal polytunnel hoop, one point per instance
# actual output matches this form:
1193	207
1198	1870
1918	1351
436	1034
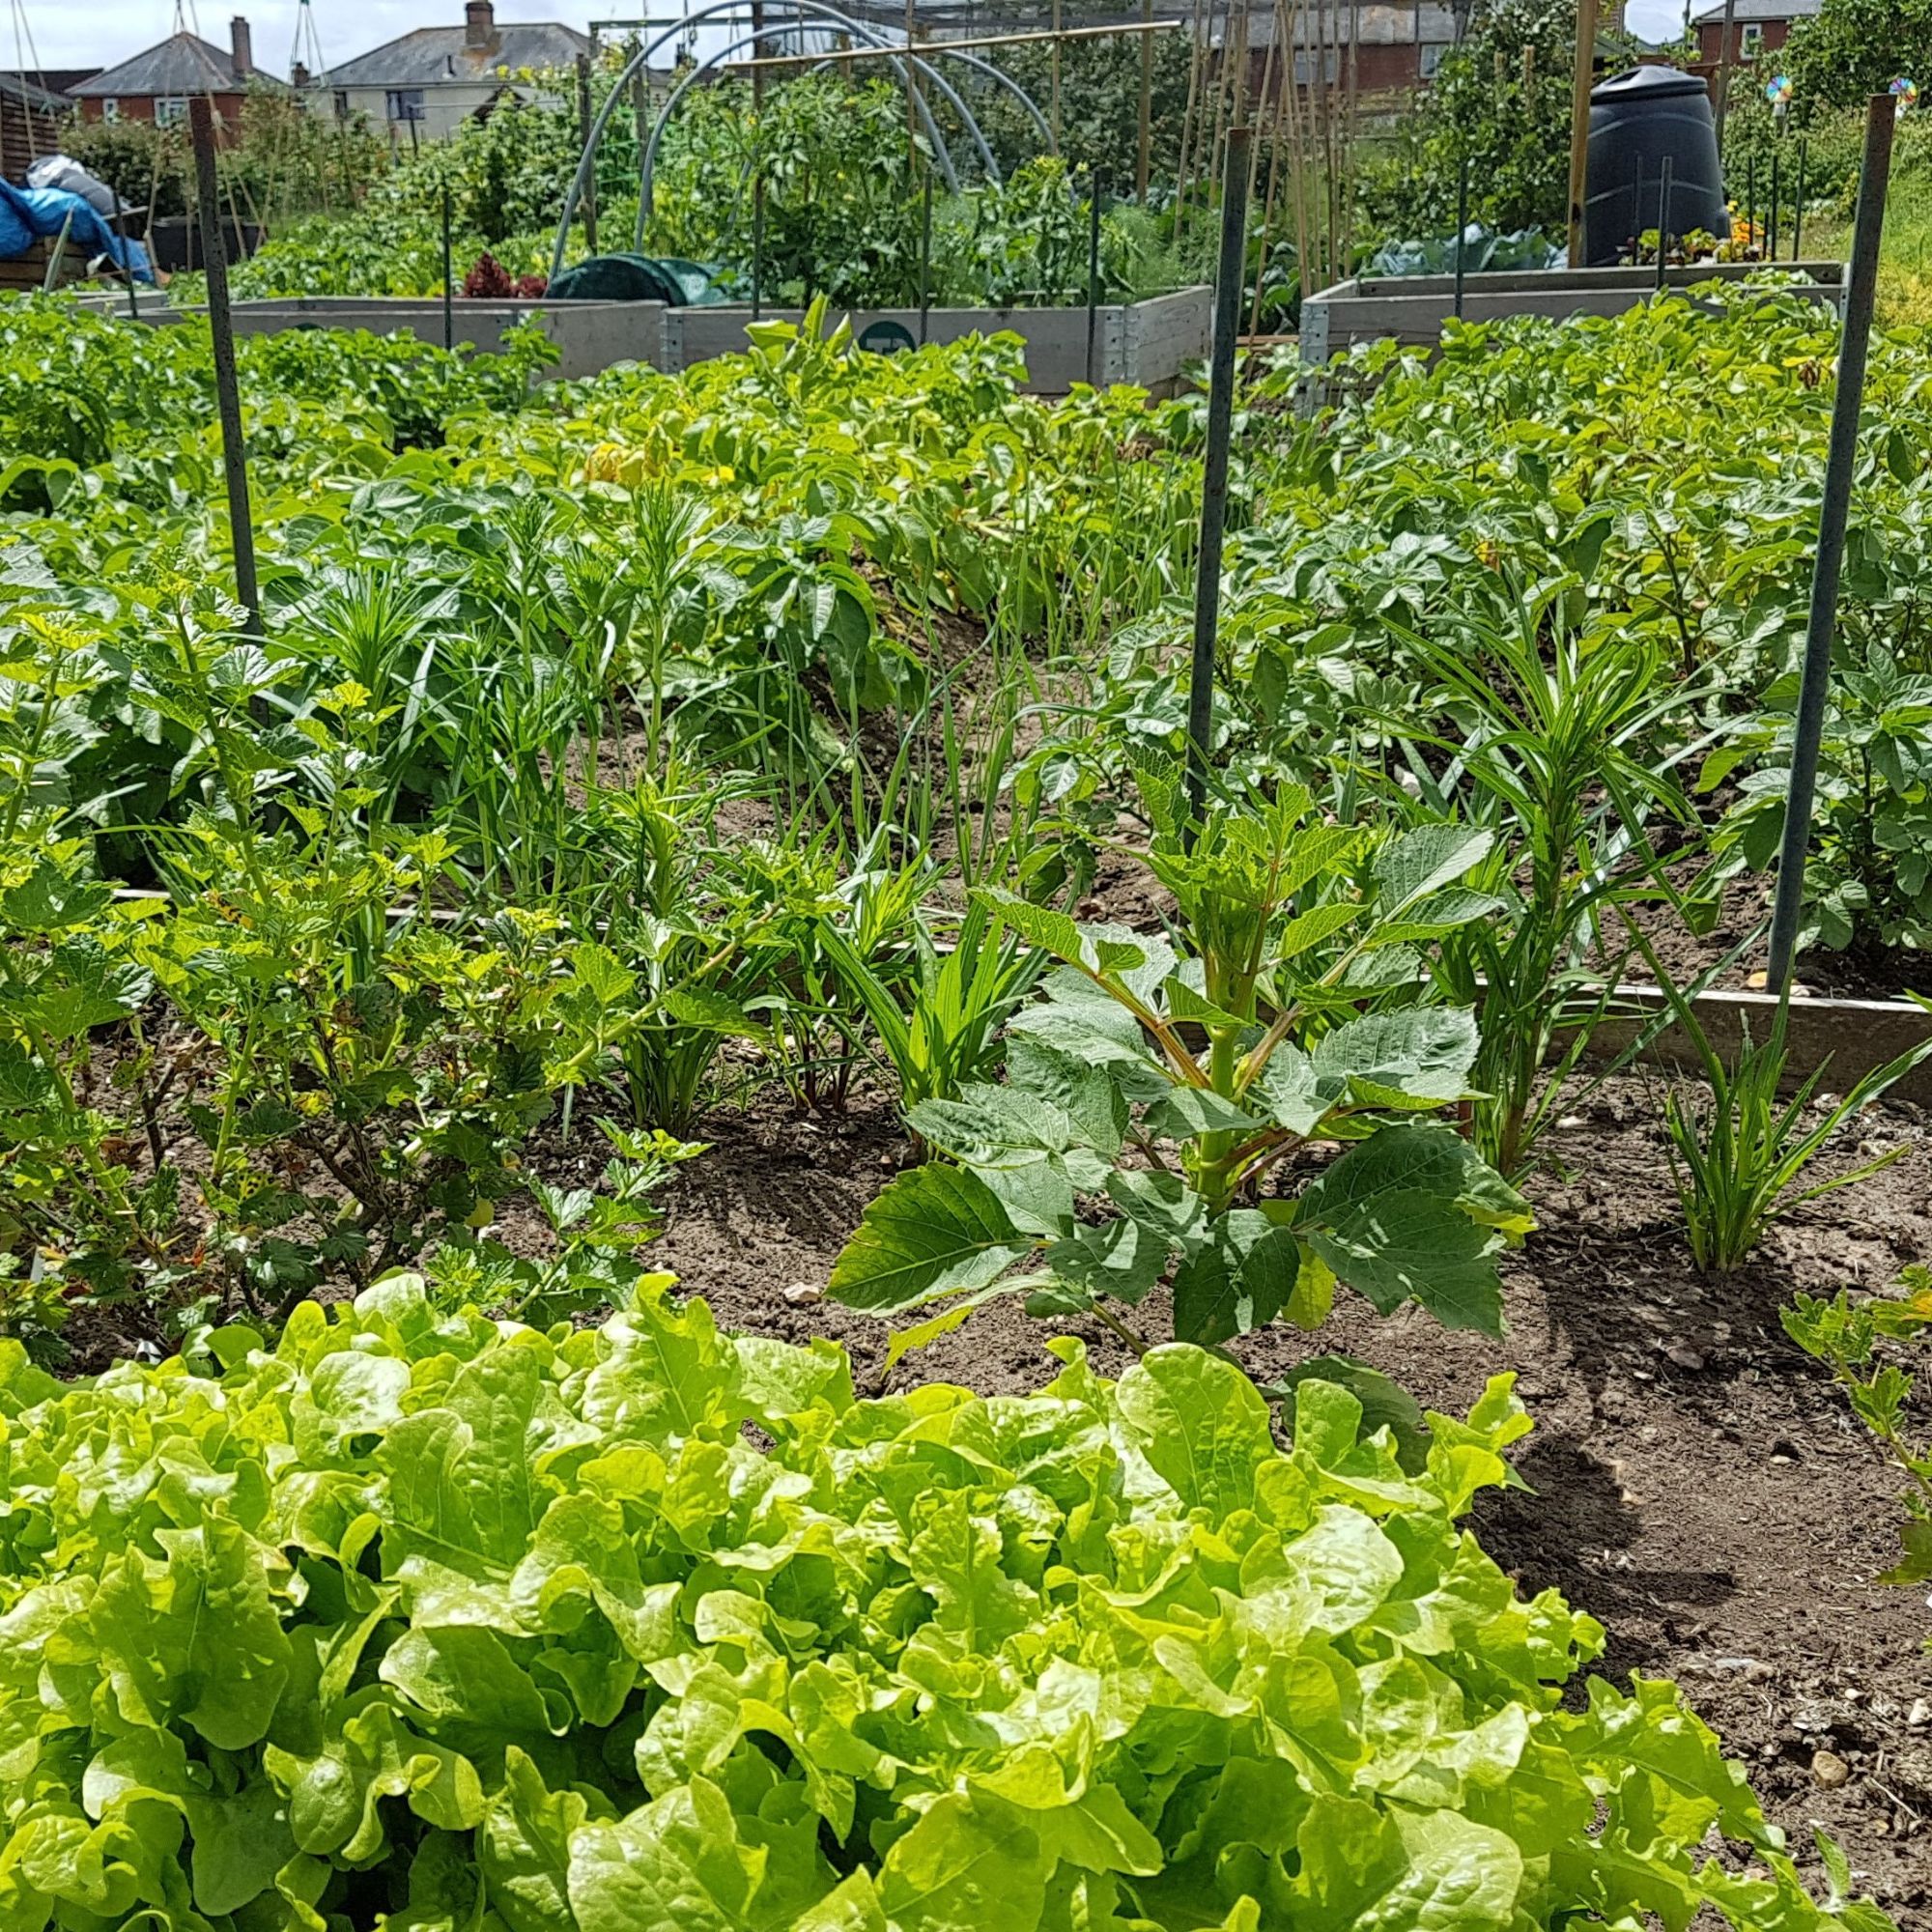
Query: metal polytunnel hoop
647	201
814	12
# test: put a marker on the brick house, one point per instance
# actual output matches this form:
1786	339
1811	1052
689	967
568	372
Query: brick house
158	84
1758	29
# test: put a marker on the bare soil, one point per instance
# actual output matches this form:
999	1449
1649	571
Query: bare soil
1697	1483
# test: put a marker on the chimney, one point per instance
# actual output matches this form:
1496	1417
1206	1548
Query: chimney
479	23
242	46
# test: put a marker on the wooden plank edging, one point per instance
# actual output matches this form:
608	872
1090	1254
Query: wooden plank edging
1848	1038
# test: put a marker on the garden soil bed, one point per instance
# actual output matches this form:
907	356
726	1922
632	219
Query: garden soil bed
1697	1484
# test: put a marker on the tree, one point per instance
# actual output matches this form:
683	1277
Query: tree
1856	49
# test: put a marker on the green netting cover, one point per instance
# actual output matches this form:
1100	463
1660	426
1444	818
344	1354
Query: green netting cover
635	278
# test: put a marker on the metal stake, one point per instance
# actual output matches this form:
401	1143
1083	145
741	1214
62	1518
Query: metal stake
1771	226
1814	680
227	392
1798	208
127	257
926	258
1750	199
448	293
1662	221
1461	227
1093	269
1227	282
1637	214
56	254
758	240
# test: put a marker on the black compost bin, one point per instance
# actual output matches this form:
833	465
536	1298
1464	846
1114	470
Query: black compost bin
175	241
1638	119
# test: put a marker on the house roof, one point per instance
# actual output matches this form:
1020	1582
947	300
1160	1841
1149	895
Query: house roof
181	65
441	56
1757	10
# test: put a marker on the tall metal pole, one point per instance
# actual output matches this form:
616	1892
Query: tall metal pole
1750	197
1771	227
448	281
227	391
1579	124
1228	283
1816	678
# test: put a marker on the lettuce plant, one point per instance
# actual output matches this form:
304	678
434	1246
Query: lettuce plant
1169	1080
431	1621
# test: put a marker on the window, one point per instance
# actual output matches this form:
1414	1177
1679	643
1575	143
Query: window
170	110
405	103
1431	61
1305	70
1750	37
111	110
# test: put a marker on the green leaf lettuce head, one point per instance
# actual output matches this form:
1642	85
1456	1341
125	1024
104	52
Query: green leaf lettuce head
429	1621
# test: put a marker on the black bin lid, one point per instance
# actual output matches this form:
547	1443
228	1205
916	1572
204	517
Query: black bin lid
1651	81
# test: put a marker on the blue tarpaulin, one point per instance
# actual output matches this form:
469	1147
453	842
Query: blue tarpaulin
29	215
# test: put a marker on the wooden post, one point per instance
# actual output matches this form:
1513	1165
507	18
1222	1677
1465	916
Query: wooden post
227	390
1720	94
1579	124
583	142
1142	152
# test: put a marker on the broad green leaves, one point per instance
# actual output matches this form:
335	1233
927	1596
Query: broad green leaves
936	1230
1299	967
436	1621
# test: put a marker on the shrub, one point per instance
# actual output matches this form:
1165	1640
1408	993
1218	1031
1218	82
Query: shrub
435	1620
